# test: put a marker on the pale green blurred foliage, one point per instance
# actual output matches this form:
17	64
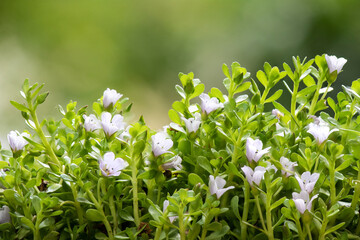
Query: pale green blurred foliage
79	48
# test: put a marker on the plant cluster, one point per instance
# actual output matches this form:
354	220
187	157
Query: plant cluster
224	168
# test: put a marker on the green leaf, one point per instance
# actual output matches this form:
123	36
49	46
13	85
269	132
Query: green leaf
226	70
94	215
126	216
36	202
25	86
215	92
139	147
199	89
42	97
19	106
281	108
194	179
205	164
332	104
174	116
218	234
214	226
307	91
262	78
288	71
243	87
309	81
53	187
227	83
334	228
235	207
179	106
277	203
180	91
28	223
275	96
348	161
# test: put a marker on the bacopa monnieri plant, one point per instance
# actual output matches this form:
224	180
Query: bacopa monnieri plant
234	165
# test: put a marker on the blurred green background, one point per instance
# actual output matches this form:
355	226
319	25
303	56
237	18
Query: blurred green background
79	48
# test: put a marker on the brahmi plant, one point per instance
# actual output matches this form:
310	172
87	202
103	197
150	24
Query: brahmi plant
224	168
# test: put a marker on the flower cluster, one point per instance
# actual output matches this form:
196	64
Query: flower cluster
225	167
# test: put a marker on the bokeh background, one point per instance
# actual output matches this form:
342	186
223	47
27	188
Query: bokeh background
79	48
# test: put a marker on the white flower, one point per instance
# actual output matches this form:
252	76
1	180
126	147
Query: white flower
302	201
254	149
216	186
277	113
17	141
160	144
174	162
287	166
254	176
209	104
270	166
334	63
111	166
113	125
320	130
192	124
165	205
5	214
91	123
307	181
125	135
110	97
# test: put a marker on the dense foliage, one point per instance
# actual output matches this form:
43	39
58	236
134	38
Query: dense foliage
224	168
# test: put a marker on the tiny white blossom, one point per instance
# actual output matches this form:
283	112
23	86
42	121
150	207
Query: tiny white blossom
302	201
334	63
112	125
270	166
160	144
111	166
254	149
110	97
277	113
91	123
320	130
307	181
174	162
209	104
165	206
216	186
17	141
254	176
287	166
192	124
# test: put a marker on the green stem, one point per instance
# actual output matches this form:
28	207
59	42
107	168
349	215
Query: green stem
181	223
325	93
265	93
41	134
113	213
323	229
100	209
77	205
332	182
37	235
293	103
355	199
245	211
270	232
308	231
158	233
260	213
203	234
135	193
300	232
316	96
